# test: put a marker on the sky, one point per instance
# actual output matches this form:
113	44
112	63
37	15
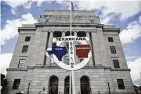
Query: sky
125	14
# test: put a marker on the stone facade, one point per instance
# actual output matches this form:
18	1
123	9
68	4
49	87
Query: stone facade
37	68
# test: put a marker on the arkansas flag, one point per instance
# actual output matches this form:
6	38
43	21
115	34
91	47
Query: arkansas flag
82	51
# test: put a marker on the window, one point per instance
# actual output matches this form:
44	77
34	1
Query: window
25	48
81	34
67	33
16	84
21	63
57	34
116	64
110	39
27	38
120	84
113	49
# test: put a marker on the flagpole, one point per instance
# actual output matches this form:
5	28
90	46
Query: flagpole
70	83
72	80
70	18
70	90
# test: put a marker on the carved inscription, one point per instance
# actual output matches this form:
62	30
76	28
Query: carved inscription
66	18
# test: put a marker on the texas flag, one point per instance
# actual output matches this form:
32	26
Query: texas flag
82	50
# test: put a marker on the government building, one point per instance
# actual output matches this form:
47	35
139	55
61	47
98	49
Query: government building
32	72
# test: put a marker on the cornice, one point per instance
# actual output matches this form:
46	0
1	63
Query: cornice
111	29
26	28
85	11
55	23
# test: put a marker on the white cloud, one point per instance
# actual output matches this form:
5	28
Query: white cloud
106	20
125	9
15	3
130	57
135	67
5	61
131	33
10	29
118	7
26	3
39	2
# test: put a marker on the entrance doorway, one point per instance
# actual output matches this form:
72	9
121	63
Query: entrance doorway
67	85
85	88
53	86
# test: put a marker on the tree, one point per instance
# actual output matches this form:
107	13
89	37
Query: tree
137	89
3	82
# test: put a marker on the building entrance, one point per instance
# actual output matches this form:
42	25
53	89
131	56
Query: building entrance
67	85
53	85
85	88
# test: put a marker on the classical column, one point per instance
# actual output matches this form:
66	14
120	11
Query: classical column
91	61
61	85
75	33
95	47
50	39
48	61
76	59
87	34
63	33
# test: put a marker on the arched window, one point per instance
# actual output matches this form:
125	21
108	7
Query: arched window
85	86
53	85
67	85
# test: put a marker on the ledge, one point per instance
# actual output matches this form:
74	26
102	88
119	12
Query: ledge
26	28
61	23
57	67
41	66
123	69
69	11
16	69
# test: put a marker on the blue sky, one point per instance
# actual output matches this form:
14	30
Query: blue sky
124	14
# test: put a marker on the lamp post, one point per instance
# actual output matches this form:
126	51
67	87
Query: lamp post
109	87
28	86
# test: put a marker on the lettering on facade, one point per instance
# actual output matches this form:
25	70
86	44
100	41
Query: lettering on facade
68	39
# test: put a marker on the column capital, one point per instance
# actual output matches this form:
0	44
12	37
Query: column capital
75	31
88	31
63	31
51	31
